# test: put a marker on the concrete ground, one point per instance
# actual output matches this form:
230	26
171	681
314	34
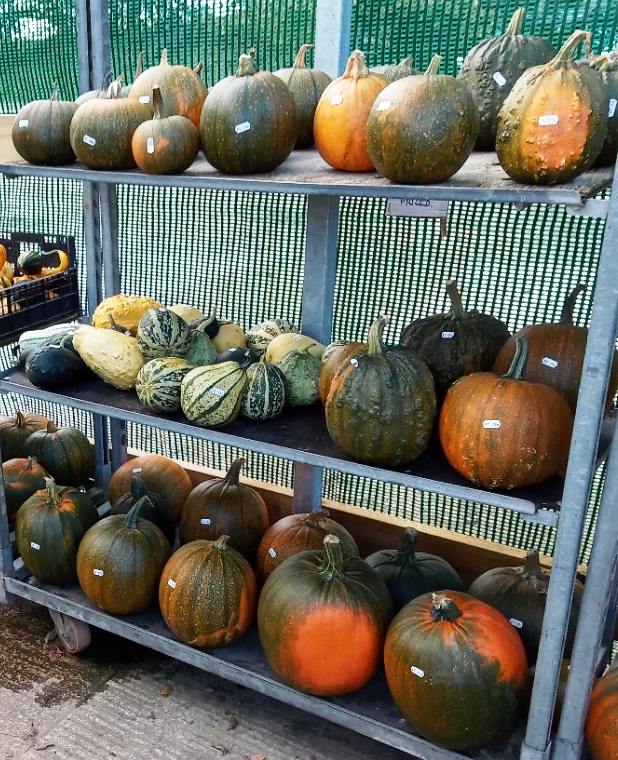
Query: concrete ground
119	700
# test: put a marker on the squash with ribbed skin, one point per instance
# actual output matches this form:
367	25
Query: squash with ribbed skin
504	431
382	403
259	336
154	508
408	573
491	68
301	371
120	560
21	476
161	332
334	355
394	71
552	125
225	506
421	129
48	529
65	452
40	131
341	116
201	350
322	618
211	396
248	121
208	593
456	669
158	383
15	431
266	393
306	86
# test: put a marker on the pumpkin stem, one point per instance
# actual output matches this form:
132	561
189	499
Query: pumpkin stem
332	564
356	68
516	22
444	609
221	543
52	498
158	106
163	61
54	95
138	487
130	521
233	474
139	65
314	519
198	69
407	547
246	66
457	309
374	340
518	364
532	564
434	65
20	420
566	317
51	427
113	91
408	61
564	57
299	61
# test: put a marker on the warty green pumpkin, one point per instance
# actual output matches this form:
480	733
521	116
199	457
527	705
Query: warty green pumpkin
301	371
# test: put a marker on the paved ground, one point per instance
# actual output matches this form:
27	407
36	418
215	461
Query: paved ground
119	700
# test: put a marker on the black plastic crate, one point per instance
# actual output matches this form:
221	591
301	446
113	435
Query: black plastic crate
38	303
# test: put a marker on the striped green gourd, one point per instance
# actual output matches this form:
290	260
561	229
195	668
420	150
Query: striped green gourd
302	376
158	383
211	396
259	336
266	392
161	332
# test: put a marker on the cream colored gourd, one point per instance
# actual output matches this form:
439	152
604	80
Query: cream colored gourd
188	313
230	335
110	354
123	311
283	344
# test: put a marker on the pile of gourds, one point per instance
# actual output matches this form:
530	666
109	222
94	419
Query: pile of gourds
29	266
549	116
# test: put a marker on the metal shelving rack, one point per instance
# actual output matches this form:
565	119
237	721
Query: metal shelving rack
370	711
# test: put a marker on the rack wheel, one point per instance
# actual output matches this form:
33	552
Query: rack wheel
73	634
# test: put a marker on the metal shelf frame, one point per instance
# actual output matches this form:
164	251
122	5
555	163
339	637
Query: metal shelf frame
479	180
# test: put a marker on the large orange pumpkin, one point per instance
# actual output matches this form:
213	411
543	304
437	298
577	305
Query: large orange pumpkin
602	719
341	116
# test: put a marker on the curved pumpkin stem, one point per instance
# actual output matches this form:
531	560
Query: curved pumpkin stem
157	103
221	543
233	474
332	564
113	91
130	521
52	498
139	65
138	487
532	566
434	65
164	61
457	309
246	66
356	66
299	61
566	317
564	57
516	22
374	340
314	519
518	364
406	553
444	608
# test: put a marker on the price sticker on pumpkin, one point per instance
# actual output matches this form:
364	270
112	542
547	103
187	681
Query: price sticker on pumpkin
24	122
205	521
549	362
516	623
217	392
448	334
89	140
384	105
272	552
612	107
150	146
98	572
548	120
34	545
417	671
354	362
245	126
136	470
171	583
144	99
491	424
336	100
499	78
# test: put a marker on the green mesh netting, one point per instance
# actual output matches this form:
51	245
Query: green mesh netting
243	252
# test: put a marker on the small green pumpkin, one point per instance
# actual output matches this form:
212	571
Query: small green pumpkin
65	452
201	350
302	376
266	393
15	431
30	262
158	383
40	131
211	396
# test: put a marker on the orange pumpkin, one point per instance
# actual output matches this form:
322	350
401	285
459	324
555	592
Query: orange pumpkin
341	116
601	728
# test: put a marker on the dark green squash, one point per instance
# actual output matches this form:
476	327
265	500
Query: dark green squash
408	573
120	561
421	129
56	364
552	125
15	431
266	393
456	669
30	262
208	593
21	476
40	131
607	65
457	342
248	122
306	86
245	357
491	68
49	527
382	403
162	333
520	594
394	71
154	508
65	452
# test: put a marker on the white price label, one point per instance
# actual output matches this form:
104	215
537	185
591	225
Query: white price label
136	470
34	545
491	424
24	122
549	362
354	362
417	207
217	392
205	521
336	100
171	583
548	120
245	126
150	148
89	140
612	107
144	99
499	78
417	671
448	334
515	622
384	105
98	572
272	552
298	336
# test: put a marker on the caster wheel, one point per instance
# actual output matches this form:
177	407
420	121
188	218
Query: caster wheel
74	635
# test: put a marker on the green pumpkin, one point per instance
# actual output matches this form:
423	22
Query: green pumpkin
211	396
394	71
21	476
248	122
457	342
30	262
158	384
607	66
266	392
65	452
491	68
381	404
422	128
302	376
48	529
161	332
56	364
201	350
15	431
154	508
40	131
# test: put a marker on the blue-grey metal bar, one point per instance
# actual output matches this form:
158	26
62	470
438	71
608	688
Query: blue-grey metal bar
597	363
333	24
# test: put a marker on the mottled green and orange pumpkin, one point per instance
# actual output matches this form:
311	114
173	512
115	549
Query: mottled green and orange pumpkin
21	476
322	618
208	593
15	431
457	670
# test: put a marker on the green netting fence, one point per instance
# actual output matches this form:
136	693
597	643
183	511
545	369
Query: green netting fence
243	252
